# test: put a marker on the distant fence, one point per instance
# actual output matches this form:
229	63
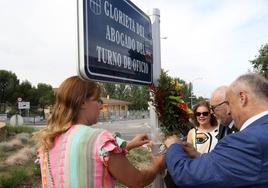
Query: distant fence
133	114
35	115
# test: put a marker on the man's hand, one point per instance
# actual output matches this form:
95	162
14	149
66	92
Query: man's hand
190	150
174	139
138	140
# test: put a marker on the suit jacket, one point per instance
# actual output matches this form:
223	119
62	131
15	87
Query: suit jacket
238	160
222	130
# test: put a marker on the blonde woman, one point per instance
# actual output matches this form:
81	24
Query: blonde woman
72	154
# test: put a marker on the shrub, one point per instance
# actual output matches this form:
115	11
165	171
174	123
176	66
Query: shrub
15	176
12	145
139	157
12	130
36	170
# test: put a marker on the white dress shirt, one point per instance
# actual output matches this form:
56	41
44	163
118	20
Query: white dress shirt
252	119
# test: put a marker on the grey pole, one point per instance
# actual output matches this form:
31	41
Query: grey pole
155	19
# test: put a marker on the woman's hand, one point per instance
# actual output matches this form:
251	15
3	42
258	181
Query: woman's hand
138	140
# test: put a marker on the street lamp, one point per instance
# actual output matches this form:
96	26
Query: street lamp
191	87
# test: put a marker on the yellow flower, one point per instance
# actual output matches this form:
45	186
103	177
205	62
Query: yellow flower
178	85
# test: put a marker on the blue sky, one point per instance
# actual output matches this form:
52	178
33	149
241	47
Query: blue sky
208	42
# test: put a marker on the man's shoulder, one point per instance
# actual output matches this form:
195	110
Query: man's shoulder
260	126
253	136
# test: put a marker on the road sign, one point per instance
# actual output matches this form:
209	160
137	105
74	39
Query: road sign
19	99
23	105
115	42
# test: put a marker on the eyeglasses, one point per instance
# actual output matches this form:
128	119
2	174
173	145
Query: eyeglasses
100	102
213	107
203	113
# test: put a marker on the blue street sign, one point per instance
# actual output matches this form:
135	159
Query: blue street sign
115	42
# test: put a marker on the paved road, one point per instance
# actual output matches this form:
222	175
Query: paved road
127	128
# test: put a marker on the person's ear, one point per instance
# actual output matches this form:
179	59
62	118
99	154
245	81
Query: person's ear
228	110
243	98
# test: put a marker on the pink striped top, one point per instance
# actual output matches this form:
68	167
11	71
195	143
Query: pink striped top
79	159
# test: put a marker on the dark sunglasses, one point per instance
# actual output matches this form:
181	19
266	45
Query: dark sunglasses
203	113
213	107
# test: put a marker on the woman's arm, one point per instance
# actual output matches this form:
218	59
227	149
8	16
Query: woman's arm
137	141
190	136
124	172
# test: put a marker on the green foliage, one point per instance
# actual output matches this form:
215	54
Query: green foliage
8	88
36	170
170	107
122	91
15	176
12	130
3	155
27	92
11	89
108	89
138	96
139	155
260	64
45	95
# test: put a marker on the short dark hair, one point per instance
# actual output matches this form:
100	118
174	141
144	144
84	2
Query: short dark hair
213	120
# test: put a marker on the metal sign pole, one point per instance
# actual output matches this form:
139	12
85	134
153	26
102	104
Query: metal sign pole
155	19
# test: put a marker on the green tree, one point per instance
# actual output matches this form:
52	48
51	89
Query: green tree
122	91
28	93
8	89
108	89
138	97
260	63
45	95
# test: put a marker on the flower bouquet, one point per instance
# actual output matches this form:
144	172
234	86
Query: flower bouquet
172	111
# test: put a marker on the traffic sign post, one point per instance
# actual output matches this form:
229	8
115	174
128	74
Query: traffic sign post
23	105
115	42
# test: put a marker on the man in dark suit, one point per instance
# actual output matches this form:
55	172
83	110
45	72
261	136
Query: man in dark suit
219	106
238	160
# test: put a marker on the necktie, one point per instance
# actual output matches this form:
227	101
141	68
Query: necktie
233	129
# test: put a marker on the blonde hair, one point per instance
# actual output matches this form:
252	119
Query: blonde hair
69	97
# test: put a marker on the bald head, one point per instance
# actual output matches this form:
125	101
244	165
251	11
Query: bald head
219	105
247	97
254	84
219	94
